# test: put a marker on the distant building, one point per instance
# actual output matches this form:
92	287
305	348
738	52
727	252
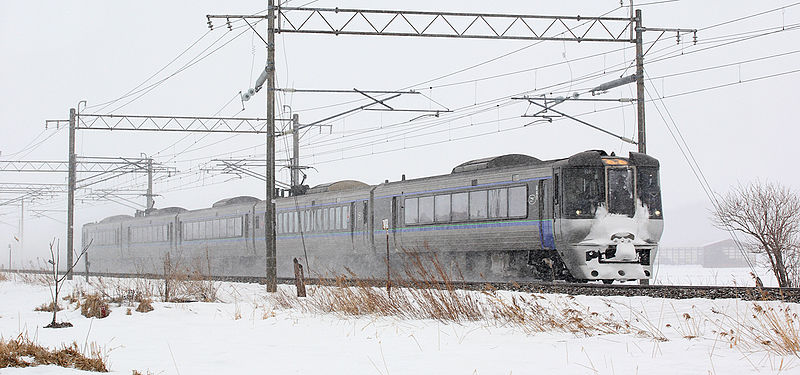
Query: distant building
726	254
720	254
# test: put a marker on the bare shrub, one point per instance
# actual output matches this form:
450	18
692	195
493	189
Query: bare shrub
3	276
22	352
769	215
55	279
93	306
145	306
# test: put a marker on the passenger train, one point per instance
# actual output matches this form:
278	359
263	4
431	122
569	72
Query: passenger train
591	216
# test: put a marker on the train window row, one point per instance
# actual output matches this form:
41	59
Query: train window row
314	220
153	233
217	228
105	237
474	205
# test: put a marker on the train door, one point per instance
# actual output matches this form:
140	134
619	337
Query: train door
545	212
395	218
361	230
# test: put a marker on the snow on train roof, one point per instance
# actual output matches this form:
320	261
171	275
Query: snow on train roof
235	200
496	162
338	186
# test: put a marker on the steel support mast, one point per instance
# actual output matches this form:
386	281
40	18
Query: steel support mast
269	227
641	137
71	182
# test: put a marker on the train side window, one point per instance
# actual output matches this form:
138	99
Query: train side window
231	227
498	203
460	206
319	213
338	218
517	201
366	213
346	217
411	210
258	221
477	204
441	208
426	210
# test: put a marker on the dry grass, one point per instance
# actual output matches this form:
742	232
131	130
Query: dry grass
774	328
125	291
22	352
190	282
93	306
145	306
3	276
428	293
48	307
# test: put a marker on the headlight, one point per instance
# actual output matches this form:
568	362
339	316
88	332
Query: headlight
578	212
657	213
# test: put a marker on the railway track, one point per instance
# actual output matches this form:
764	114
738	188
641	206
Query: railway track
626	290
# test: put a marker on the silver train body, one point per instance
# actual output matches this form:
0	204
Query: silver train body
587	217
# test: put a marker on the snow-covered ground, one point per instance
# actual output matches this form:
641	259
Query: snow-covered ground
247	334
697	275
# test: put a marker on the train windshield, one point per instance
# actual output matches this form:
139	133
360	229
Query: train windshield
649	190
583	191
620	191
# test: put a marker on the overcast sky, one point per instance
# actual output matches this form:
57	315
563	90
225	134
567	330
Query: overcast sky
58	53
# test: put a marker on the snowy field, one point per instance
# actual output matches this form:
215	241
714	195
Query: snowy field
697	275
248	333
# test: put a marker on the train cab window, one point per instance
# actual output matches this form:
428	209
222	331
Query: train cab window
584	191
649	190
426	210
518	201
412	212
477	204
620	191
498	203
460	206
441	208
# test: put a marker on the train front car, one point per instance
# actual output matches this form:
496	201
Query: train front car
610	215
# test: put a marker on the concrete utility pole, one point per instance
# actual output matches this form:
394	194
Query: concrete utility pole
295	164
272	274
71	191
641	138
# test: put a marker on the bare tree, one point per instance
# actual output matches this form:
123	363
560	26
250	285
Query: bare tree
56	283
769	214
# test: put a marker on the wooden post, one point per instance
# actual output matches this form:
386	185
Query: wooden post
388	263
299	280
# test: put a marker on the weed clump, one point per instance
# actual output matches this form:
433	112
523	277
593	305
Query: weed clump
48	307
22	352
94	306
145	306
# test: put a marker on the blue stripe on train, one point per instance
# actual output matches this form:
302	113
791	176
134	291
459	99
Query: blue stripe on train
545	228
546	233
